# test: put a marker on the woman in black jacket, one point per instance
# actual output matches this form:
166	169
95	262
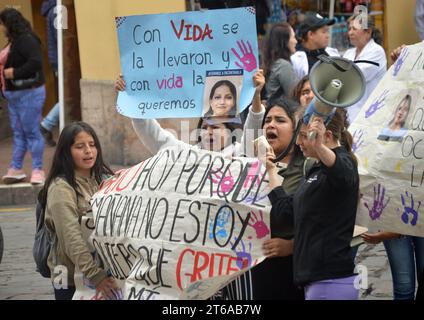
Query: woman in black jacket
25	93
323	210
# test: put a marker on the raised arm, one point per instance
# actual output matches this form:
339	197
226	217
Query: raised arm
253	125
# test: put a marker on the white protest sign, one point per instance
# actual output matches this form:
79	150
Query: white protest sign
182	224
389	143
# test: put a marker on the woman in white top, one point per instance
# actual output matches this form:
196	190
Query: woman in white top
217	134
369	56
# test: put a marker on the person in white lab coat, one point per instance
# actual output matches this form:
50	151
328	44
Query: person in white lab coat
315	36
369	56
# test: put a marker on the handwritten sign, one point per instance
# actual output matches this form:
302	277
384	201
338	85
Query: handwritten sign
181	224
165	59
389	142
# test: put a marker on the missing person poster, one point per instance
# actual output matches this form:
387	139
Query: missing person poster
389	143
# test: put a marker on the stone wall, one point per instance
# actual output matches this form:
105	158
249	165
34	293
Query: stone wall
5	130
120	144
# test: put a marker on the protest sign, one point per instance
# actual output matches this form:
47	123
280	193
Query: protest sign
181	224
165	59
389	143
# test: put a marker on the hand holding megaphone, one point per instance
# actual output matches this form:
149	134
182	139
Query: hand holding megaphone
316	128
336	83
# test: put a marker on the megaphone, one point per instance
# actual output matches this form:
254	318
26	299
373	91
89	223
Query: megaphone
336	83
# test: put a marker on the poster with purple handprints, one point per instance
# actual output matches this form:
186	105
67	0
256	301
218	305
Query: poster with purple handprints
180	225
388	140
165	59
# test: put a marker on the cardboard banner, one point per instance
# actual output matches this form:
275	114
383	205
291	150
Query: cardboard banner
165	59
389	142
181	224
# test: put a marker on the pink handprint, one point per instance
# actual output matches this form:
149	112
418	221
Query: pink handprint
248	59
259	225
377	104
251	174
225	183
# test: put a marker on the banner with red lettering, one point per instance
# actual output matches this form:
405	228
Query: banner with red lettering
181	224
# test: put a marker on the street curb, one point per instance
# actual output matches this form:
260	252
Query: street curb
19	194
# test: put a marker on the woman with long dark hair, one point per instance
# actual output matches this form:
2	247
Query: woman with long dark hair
279	47
74	177
24	90
222	100
322	210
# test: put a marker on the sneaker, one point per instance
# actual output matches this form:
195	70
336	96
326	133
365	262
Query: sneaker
14	176
48	136
37	176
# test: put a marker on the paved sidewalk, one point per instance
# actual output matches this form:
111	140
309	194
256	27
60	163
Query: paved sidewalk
6	146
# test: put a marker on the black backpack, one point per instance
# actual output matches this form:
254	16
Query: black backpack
42	241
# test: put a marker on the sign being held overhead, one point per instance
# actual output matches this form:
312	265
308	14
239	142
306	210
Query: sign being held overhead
389	143
165	59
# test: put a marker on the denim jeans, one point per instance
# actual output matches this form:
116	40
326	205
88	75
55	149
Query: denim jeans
25	108
52	119
406	258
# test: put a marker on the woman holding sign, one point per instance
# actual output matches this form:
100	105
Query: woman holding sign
322	210
75	175
217	134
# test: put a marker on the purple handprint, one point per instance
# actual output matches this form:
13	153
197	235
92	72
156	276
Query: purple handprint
400	61
248	59
378	205
409	210
259	225
357	140
377	104
244	258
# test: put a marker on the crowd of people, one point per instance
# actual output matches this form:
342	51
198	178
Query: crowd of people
309	255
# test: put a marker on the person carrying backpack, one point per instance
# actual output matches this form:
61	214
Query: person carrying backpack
74	177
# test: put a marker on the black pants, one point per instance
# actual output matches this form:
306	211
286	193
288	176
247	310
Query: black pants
64	294
273	280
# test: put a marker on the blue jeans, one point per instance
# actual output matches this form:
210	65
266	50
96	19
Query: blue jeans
25	108
406	258
52	119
